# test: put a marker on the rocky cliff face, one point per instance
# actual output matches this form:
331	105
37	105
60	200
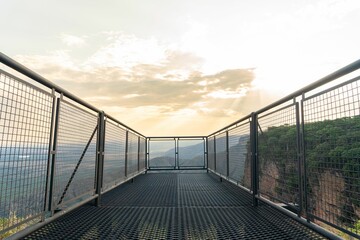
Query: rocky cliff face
268	179
247	172
326	193
326	197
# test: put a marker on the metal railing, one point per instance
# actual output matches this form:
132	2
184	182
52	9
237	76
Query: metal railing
180	153
229	152
301	153
57	151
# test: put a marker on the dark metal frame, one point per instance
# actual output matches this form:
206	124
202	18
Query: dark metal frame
183	167
53	155
295	106
50	208
99	140
176	140
100	157
239	125
298	99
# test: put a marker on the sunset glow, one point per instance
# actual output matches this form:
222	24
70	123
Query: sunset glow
181	67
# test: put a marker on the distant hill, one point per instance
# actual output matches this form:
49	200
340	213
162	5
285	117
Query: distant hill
163	161
193	155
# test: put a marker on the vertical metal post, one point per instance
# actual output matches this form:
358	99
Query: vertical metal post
138	155
206	151
146	155
303	161
298	143
176	154
126	153
254	156
103	150
215	153
53	157
48	166
100	143
227	153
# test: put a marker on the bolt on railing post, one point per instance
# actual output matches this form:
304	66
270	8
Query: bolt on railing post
254	157
53	155
100	143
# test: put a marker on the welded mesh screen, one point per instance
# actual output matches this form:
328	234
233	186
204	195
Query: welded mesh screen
221	154
77	129
240	155
332	153
114	157
142	154
161	153
25	122
278	156
132	153
191	153
211	153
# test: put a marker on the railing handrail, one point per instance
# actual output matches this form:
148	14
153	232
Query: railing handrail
170	137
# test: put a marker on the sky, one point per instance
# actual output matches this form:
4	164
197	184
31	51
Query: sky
181	67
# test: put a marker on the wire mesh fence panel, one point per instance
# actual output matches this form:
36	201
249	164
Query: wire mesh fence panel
332	154
114	157
240	155
162	153
211	153
25	125
76	154
278	156
221	154
142	154
132	154
191	152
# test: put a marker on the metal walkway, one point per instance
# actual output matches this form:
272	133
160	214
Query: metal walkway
175	206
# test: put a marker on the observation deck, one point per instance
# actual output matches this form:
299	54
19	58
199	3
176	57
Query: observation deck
175	206
68	170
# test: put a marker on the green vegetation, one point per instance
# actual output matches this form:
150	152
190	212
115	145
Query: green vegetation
330	145
355	229
335	145
278	145
7	222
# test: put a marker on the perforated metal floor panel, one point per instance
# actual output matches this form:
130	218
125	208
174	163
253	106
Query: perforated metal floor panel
175	206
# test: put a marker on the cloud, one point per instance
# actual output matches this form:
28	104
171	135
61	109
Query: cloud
330	8
131	90
55	61
228	94
127	51
72	41
165	86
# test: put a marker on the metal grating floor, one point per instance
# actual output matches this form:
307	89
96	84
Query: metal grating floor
175	206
